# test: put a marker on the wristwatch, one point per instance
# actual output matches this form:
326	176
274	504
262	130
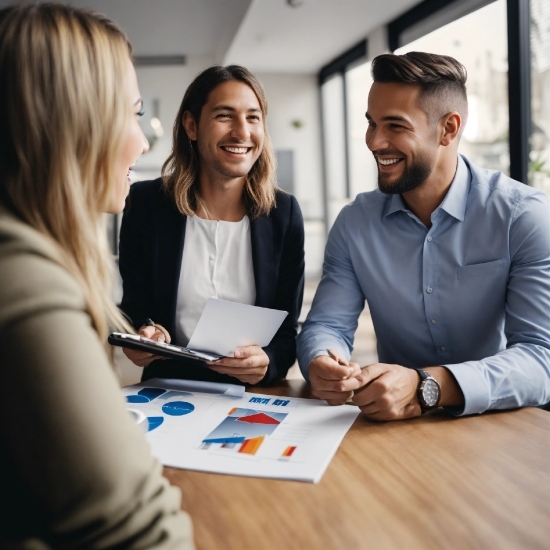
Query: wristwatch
429	391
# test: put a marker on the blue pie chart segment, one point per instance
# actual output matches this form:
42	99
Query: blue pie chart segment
137	399
178	408
154	422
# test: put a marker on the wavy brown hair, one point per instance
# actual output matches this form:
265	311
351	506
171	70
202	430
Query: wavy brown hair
63	119
181	169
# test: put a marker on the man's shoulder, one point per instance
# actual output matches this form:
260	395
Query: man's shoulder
367	203
495	186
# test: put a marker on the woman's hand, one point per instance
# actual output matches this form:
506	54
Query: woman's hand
143	358
249	364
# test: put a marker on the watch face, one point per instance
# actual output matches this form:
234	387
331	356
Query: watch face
430	392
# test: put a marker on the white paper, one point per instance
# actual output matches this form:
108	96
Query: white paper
253	435
225	326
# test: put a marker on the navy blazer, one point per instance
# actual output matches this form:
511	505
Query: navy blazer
152	237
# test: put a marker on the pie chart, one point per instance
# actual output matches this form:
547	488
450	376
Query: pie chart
177	408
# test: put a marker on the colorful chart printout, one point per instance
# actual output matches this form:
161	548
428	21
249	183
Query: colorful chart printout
212	428
247	428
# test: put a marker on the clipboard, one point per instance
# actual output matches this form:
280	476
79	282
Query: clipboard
222	328
133	341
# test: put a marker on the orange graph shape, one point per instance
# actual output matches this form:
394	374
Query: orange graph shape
288	451
251	446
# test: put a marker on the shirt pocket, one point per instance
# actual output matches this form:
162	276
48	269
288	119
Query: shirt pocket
480	270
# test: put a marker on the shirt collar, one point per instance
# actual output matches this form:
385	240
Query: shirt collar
454	202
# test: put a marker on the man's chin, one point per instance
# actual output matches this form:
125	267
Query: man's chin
387	185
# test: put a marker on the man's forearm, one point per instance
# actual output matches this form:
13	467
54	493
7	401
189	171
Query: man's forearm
451	394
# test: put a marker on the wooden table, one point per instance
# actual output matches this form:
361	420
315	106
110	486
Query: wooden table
431	482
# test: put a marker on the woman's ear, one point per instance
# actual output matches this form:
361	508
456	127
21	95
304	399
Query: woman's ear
452	123
189	125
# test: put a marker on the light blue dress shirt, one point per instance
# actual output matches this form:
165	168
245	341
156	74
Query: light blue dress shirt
472	293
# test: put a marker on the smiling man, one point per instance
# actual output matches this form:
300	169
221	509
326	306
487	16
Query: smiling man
453	261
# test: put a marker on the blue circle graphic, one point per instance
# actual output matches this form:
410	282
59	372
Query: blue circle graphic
177	408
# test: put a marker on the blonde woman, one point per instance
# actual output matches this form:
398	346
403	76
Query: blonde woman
75	471
215	225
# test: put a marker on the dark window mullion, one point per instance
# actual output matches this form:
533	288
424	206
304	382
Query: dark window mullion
519	87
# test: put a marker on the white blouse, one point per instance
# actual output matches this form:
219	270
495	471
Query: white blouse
216	263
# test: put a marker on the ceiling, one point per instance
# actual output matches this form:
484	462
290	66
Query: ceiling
264	35
276	37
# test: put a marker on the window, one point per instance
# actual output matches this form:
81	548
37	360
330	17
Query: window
334	145
479	41
539	165
335	80
363	174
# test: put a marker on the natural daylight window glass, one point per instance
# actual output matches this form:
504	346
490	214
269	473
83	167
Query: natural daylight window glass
332	96
363	173
539	165
479	42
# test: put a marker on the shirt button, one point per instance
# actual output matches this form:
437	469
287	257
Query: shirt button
429	290
429	239
443	348
212	257
434	321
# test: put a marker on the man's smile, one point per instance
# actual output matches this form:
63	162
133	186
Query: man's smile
236	150
387	162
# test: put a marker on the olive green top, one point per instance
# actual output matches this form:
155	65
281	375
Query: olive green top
75	471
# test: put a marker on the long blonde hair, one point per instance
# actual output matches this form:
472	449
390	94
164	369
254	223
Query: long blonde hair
64	115
181	169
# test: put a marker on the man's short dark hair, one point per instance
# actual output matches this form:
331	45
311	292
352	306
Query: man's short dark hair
442	80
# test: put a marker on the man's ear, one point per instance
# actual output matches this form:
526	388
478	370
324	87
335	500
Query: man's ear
189	125
452	122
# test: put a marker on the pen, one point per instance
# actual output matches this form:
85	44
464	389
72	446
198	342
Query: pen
337	358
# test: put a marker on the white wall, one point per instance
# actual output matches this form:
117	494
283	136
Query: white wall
294	97
167	84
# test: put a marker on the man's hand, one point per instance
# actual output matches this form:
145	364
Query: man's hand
334	379
388	392
143	358
249	365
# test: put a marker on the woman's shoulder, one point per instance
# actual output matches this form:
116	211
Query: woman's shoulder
32	278
146	189
285	205
147	196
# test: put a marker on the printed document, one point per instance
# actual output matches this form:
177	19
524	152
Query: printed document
225	430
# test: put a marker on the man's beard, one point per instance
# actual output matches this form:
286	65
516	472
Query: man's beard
412	177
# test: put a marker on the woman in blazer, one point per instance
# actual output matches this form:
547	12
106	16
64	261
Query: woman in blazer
214	225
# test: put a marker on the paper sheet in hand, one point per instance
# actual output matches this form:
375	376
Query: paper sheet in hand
253	435
225	326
